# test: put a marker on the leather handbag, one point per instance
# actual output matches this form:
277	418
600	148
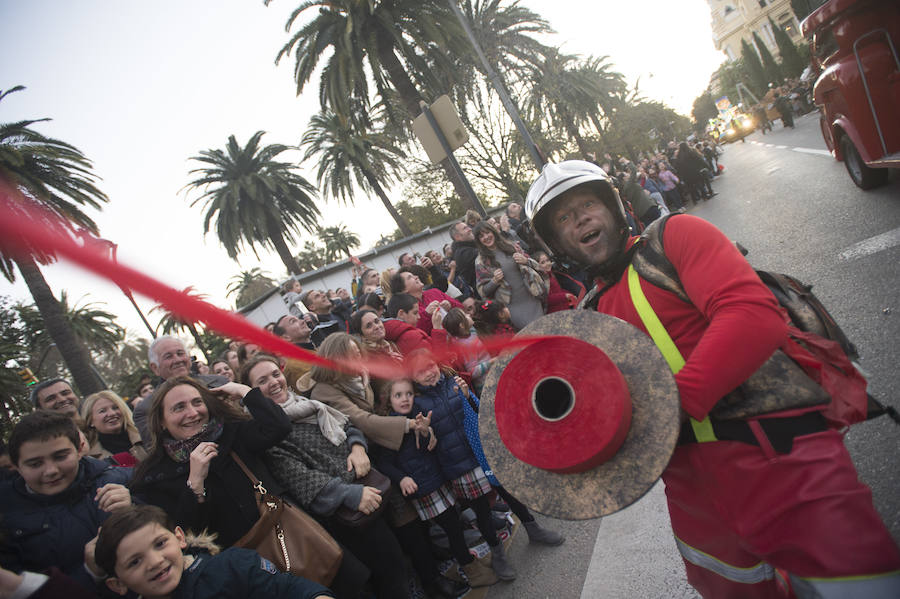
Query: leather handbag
289	537
355	518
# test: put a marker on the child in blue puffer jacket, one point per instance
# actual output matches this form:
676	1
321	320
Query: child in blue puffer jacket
440	394
416	470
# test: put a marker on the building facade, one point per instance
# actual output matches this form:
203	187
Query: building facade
734	20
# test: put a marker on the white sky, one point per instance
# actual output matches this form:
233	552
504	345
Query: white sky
139	87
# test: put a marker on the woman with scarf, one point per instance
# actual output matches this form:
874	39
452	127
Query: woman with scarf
369	329
505	274
352	395
192	475
318	464
190	472
110	431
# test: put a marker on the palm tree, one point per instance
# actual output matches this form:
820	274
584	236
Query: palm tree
311	256
338	240
171	324
55	177
254	199
346	154
399	46
561	93
249	285
607	87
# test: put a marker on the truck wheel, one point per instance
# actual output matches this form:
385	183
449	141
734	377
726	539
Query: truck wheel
862	175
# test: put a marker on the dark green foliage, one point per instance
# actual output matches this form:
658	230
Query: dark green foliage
770	67
338	242
249	285
349	153
311	256
792	64
253	198
802	8
750	58
58	179
704	109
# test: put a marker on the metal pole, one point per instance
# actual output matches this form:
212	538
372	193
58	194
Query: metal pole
453	163
114	248
536	155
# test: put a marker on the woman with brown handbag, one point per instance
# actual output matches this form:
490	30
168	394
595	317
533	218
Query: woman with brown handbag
191	474
322	464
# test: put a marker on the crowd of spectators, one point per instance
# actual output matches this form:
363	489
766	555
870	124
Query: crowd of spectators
312	435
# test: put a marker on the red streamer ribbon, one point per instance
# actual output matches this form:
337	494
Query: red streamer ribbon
26	228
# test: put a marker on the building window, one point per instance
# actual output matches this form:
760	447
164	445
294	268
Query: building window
786	22
762	3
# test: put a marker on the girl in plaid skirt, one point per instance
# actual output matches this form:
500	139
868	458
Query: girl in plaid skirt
442	395
416	469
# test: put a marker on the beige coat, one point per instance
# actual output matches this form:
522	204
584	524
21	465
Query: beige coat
386	431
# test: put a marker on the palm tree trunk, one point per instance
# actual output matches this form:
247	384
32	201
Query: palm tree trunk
283	252
76	357
402	224
411	97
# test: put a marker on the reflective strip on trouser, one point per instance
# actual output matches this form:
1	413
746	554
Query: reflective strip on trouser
752	575
877	586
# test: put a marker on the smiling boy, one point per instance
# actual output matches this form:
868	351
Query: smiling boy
143	552
56	503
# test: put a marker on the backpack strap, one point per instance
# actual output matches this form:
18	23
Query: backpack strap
651	263
703	430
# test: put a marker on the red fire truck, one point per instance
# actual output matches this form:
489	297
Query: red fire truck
853	47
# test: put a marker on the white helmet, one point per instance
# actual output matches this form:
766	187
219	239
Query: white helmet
556	179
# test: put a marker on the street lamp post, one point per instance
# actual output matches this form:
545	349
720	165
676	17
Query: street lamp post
112	248
536	155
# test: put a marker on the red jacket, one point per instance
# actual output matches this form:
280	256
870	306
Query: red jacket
557	298
409	338
732	325
428	296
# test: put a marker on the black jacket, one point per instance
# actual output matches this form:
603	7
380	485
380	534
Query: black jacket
238	573
230	507
41	531
464	253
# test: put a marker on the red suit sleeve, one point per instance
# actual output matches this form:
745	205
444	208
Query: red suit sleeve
745	322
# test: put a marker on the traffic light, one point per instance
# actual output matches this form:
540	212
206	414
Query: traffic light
28	377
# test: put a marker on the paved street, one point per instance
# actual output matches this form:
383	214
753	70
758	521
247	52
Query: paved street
797	212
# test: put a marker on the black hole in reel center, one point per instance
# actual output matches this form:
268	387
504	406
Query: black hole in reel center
553	398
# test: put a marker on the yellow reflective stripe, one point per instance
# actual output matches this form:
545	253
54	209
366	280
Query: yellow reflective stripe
652	323
875	586
703	430
754	574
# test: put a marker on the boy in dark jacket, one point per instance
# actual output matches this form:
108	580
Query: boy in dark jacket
56	503
141	549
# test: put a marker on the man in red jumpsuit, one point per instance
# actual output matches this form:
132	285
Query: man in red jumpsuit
749	521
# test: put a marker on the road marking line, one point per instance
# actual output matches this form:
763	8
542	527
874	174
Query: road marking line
872	245
781	147
813	151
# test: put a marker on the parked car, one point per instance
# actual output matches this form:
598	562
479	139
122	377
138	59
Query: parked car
853	47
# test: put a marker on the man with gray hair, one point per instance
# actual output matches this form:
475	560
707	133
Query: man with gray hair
169	358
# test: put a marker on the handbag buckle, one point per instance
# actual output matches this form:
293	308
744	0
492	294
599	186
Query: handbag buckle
259	487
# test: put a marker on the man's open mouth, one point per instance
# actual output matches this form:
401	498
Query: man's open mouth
590	237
